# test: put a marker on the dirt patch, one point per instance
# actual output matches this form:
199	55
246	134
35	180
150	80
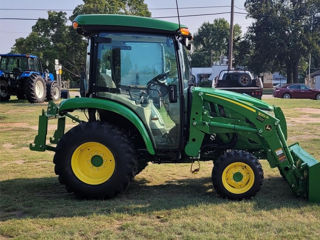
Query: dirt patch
16	162
302	138
8	145
305	116
303	120
20	111
308	110
13	125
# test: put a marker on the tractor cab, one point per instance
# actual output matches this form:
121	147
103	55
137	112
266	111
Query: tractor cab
16	64
147	71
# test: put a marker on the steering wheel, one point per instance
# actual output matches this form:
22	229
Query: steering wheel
16	71
156	87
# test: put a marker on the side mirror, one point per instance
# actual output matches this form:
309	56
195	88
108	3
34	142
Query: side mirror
186	41
192	81
173	96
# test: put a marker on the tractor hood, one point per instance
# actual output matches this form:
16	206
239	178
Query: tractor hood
236	97
1	73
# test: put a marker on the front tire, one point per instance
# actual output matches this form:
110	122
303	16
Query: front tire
53	91
237	175
4	91
35	89
286	96
95	160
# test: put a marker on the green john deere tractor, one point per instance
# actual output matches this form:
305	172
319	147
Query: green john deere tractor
141	108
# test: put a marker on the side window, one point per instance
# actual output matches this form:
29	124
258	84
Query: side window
304	87
294	87
3	63
23	64
36	65
31	64
106	62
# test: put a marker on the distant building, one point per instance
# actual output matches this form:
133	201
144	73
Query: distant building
271	79
314	81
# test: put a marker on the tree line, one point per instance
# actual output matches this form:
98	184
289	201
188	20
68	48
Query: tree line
282	37
53	38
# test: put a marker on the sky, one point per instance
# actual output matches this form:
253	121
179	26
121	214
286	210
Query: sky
13	29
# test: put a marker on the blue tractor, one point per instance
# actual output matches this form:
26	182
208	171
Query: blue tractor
22	75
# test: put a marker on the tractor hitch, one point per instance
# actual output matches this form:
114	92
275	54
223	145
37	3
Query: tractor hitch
40	141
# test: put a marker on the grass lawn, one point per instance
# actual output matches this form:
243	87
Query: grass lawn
164	202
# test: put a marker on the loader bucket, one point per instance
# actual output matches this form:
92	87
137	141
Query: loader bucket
311	171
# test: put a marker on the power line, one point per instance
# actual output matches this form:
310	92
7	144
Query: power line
189	15
35	9
204	14
12	32
156	9
189	7
23	19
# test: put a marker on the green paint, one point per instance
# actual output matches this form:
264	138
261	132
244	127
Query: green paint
96	160
95	103
237	176
40	139
242	98
128	21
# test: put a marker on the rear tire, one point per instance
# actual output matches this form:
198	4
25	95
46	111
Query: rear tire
4	91
286	96
237	175
35	89
53	91
318	96
95	160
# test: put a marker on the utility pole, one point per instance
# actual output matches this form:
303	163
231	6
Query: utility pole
230	55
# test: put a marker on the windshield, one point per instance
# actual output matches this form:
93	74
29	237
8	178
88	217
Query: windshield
133	60
8	64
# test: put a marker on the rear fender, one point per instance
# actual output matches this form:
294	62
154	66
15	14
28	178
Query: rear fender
28	74
95	103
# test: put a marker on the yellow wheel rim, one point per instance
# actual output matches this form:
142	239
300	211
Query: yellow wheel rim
92	163
238	177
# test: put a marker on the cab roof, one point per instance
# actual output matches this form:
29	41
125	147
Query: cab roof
89	23
17	55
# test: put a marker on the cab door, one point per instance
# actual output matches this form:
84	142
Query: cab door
140	71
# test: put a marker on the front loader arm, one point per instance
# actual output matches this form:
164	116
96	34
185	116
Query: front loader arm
259	131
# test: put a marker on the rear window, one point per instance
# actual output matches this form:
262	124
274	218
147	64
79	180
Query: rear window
231	76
